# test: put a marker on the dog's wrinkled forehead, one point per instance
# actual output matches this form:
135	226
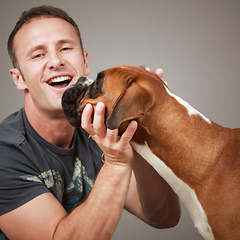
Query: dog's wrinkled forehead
118	75
123	76
127	70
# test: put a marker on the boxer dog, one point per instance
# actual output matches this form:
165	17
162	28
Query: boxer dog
198	158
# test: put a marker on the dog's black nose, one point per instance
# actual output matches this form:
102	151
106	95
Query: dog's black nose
70	100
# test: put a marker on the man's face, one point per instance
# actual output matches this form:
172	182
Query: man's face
50	59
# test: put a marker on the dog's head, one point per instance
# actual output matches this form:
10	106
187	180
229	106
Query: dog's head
128	93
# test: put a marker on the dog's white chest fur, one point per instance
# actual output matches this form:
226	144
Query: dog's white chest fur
186	193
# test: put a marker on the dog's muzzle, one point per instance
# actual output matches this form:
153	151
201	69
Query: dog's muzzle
71	98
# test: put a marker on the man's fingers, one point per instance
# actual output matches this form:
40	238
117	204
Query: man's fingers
99	118
166	83
112	135
86	120
128	134
159	72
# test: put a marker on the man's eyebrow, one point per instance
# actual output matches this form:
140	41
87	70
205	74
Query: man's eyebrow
67	40
43	46
35	48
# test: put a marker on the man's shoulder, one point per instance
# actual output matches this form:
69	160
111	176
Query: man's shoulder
12	129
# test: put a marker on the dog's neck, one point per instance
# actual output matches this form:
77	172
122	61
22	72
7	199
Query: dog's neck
188	145
183	128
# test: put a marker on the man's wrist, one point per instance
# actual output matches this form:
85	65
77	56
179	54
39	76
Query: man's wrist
117	165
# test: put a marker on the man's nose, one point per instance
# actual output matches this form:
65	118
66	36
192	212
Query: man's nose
55	61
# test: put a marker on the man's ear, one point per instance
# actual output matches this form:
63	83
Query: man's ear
18	79
132	104
86	63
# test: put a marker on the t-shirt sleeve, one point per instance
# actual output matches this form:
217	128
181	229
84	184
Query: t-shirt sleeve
15	187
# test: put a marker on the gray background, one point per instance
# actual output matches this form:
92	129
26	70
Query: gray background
196	42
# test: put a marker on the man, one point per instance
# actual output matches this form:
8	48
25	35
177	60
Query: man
47	167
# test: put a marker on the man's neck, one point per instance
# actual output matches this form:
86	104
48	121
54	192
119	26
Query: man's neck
54	130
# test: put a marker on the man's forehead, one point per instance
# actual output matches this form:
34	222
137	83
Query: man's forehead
50	26
48	20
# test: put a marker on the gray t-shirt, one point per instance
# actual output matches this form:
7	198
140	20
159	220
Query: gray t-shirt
30	166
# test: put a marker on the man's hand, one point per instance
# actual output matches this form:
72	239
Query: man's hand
159	72
116	149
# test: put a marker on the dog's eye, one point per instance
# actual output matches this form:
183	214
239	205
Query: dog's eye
130	81
96	87
95	90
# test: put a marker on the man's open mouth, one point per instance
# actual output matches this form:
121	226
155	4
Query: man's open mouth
60	81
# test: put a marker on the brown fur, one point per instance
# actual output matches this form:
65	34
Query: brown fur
205	156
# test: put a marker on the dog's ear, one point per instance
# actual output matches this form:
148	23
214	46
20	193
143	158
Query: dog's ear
132	104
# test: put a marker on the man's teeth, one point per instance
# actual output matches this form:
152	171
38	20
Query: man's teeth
59	79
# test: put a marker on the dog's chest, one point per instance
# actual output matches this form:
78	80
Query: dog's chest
186	193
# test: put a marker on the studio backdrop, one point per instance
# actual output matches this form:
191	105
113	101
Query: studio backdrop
195	42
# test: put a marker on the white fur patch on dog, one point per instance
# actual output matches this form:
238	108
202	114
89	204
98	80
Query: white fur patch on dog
88	81
187	194
191	110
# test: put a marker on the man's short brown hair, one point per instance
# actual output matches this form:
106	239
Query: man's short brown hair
38	12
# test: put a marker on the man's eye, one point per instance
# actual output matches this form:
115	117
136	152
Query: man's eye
66	49
37	55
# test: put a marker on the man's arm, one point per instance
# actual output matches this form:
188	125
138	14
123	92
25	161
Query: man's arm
150	198
108	195
97	217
